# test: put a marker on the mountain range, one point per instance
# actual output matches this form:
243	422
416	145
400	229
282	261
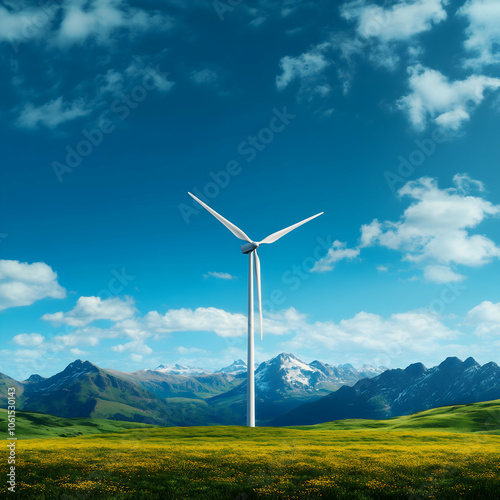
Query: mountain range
179	395
284	382
403	392
288	392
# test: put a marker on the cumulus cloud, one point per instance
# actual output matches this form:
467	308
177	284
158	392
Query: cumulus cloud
435	229
21	22
401	21
206	319
336	253
307	69
414	331
483	35
21	283
99	19
434	99
441	275
29	339
51	114
89	309
76	21
379	31
135	347
485	317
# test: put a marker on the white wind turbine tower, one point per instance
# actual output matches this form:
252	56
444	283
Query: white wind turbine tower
250	248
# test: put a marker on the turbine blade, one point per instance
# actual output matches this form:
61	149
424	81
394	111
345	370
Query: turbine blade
259	289
235	230
276	236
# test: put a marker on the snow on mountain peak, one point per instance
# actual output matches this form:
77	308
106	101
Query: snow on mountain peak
238	366
181	370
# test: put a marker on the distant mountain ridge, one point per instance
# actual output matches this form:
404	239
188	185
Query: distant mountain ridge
289	391
179	395
181	370
403	392
284	382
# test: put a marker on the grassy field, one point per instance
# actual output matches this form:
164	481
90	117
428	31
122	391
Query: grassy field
325	461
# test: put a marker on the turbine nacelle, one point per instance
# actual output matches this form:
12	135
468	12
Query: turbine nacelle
249	247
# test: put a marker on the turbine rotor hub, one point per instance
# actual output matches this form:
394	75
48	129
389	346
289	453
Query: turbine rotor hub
249	247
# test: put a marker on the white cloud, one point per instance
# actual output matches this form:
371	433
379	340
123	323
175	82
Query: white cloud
382	269
434	229
140	68
77	352
22	23
189	350
21	283
100	19
99	92
51	114
136	346
222	276
307	68
400	334
89	309
27	354
206	319
336	253
486	319
441	274
205	76
400	21
28	339
483	35
434	232
433	98
83	336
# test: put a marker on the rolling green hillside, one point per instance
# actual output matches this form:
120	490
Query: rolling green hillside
40	425
84	390
166	385
474	417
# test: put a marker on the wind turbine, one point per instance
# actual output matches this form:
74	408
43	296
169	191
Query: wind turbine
250	248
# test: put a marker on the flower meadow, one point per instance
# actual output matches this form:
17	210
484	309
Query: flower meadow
241	463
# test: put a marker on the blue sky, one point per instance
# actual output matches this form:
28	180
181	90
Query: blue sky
382	115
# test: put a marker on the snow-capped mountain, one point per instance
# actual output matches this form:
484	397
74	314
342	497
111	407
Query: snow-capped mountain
286	374
182	370
338	375
284	382
238	366
370	371
403	392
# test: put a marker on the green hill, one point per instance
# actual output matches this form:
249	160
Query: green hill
475	417
40	425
